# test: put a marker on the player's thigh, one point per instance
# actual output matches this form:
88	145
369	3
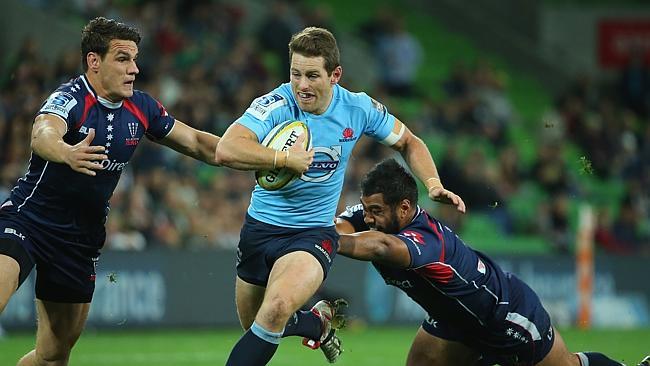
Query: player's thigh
15	263
9	270
429	350
559	354
59	327
294	279
248	298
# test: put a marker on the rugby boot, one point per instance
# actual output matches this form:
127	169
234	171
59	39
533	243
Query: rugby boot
329	343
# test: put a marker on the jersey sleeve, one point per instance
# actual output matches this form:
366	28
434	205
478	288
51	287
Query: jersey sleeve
64	103
423	247
380	122
265	113
160	121
354	215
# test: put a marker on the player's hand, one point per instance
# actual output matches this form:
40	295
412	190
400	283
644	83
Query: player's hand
298	160
440	194
84	158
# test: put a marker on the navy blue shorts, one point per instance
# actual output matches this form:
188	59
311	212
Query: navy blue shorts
261	244
65	264
523	335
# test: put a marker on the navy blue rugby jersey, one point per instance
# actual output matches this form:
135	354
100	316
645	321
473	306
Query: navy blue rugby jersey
448	279
62	200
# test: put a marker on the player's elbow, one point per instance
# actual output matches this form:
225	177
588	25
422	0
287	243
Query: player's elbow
380	251
225	154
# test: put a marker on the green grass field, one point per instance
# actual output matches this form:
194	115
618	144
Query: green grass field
369	346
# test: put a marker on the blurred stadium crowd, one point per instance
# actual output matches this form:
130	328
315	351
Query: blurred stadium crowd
207	60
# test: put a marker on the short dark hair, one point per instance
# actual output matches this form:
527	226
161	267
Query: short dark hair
391	179
314	42
99	32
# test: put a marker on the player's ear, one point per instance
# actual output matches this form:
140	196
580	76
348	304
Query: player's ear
93	59
404	206
336	75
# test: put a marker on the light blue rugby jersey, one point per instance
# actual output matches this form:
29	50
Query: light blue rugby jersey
311	201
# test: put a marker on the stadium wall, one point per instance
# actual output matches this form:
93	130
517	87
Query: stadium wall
196	289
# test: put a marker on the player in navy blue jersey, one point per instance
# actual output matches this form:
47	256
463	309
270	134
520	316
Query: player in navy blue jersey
477	313
288	240
82	139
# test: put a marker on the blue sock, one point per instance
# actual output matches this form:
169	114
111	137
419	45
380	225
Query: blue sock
596	359
255	348
305	324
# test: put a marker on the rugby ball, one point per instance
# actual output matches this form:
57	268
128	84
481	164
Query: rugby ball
282	137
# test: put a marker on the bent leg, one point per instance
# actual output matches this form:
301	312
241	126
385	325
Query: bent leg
9	271
294	278
429	350
59	328
560	356
248	299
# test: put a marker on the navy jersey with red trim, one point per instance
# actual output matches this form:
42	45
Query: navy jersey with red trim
52	194
446	277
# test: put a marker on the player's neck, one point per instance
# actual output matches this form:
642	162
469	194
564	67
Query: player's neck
408	218
96	84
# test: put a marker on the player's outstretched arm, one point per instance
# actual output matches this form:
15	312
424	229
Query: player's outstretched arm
240	149
192	142
375	246
417	156
47	142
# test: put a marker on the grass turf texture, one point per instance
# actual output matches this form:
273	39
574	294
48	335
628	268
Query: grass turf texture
367	346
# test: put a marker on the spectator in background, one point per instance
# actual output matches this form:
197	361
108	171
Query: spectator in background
634	83
276	30
399	55
626	228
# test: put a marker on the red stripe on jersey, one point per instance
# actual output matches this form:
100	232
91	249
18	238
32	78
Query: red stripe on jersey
163	111
89	102
137	112
439	272
434	227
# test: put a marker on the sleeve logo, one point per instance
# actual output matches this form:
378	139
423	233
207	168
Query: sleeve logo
264	105
59	103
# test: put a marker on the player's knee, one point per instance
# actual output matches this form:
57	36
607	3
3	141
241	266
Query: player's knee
276	310
424	358
55	356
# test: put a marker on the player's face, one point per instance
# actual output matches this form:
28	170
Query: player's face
311	85
118	69
378	215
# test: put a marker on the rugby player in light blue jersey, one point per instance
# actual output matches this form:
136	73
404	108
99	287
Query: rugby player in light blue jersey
288	239
478	314
82	138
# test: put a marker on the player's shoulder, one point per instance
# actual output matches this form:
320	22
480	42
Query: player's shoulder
360	100
75	88
276	101
67	97
140	97
351	211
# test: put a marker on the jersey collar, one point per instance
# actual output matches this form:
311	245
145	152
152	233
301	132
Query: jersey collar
103	101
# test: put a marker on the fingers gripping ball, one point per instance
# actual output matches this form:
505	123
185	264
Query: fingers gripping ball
282	137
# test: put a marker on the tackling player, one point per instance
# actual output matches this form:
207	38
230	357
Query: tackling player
477	313
82	139
288	239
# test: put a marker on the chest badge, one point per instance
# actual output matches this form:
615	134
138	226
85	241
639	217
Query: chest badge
133	131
